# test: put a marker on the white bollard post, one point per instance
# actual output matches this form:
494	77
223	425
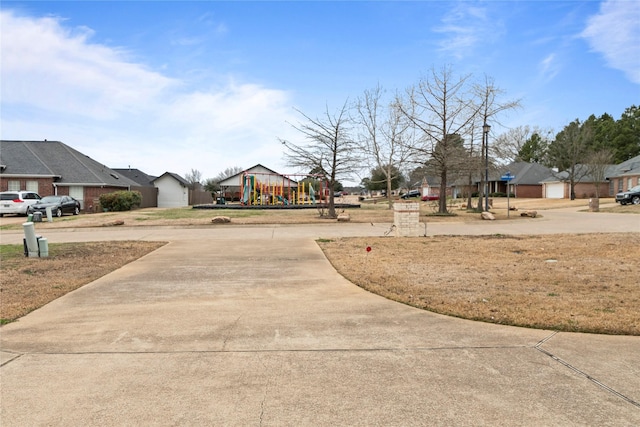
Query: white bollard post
49	214
43	245
30	236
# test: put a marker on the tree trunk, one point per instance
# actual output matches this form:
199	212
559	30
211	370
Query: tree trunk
442	201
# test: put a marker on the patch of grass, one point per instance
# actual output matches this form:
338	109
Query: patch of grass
29	283
504	279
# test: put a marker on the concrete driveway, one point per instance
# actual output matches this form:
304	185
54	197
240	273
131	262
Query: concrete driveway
251	326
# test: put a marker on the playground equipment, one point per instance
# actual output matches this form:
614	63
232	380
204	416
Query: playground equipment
258	189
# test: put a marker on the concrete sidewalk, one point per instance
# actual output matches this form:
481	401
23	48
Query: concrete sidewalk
252	326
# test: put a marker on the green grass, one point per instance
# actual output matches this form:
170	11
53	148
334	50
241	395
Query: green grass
181	213
8	252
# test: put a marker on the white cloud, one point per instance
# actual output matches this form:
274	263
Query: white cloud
548	67
615	33
58	84
465	27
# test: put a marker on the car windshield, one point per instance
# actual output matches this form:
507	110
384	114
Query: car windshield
50	199
635	189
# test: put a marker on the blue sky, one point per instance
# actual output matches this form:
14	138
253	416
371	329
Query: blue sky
174	86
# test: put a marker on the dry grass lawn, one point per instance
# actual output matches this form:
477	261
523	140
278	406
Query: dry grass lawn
30	283
586	283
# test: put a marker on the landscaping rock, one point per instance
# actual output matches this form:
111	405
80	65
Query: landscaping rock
114	223
344	217
488	216
221	220
531	214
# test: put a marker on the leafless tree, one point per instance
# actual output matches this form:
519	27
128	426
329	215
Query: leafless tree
212	184
384	135
442	108
569	152
329	148
490	107
508	147
193	178
598	163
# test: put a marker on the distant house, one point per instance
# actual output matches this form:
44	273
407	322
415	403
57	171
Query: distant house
624	176
137	176
527	181
173	190
54	168
231	186
145	185
558	185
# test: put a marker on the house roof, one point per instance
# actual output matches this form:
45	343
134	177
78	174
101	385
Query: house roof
175	176
526	173
235	180
137	176
56	160
582	174
626	168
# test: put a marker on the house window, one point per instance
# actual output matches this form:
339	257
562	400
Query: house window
32	186
620	183
13	186
629	183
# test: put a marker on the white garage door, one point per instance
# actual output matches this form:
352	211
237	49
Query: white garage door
555	191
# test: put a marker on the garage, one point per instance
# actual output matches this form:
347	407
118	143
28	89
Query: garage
554	190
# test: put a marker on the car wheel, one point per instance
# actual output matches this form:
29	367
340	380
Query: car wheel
635	200
76	210
58	212
623	203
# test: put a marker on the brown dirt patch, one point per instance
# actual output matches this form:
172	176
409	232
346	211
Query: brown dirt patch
586	283
30	283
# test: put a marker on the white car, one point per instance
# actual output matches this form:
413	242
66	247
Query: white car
17	202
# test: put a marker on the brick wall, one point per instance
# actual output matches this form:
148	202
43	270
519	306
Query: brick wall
406	218
45	185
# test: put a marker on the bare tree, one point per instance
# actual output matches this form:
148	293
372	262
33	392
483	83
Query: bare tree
212	184
329	149
571	148
193	178
384	136
521	144
598	163
489	108
442	108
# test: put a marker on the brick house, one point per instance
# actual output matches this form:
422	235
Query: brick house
54	168
624	176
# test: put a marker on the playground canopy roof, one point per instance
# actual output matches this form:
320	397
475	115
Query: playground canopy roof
262	174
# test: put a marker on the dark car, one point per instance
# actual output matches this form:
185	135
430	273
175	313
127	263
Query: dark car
59	205
630	196
429	197
412	193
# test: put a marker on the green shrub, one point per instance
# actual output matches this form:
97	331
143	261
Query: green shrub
120	200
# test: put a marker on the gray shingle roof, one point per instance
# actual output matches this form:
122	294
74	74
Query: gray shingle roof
526	173
175	176
54	158
137	176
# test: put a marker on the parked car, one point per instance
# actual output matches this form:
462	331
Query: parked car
412	193
59	205
429	197
630	196
17	202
